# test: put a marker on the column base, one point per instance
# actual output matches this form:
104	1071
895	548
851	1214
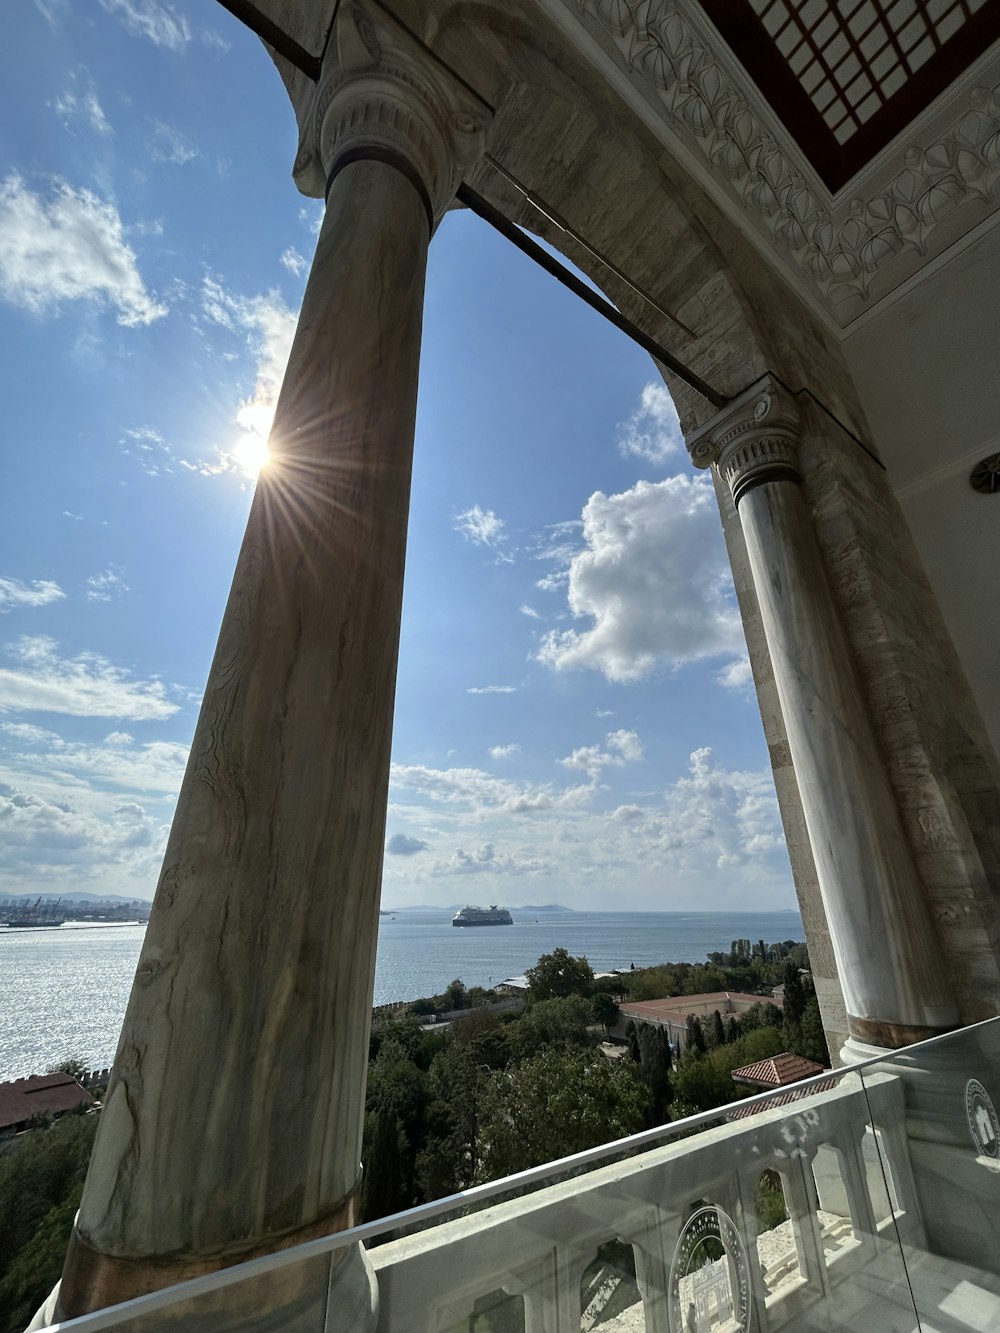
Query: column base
323	1295
854	1051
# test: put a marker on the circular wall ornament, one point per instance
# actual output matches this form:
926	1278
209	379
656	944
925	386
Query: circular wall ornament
709	1276
984	1124
985	476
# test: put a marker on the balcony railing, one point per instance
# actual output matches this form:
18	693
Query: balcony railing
870	1201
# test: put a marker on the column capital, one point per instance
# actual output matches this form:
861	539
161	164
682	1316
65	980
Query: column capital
754	439
382	95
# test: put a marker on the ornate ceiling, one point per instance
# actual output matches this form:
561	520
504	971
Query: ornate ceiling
855	141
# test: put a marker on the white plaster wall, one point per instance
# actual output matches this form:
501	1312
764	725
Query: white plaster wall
927	369
958	535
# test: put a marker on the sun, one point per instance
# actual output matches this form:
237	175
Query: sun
250	455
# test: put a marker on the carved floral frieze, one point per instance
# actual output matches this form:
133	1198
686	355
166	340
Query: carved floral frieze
844	248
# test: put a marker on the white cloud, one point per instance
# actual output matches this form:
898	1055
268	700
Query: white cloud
70	247
559	578
215	41
156	766
709	830
487	860
103	843
480	526
654	578
105	587
312	217
14	593
294	262
53	11
157	23
84	686
529	611
148	447
79	104
736	675
27	733
653	431
268	326
623	747
402	845
504	751
169	145
731	816
491	689
482	793
626	744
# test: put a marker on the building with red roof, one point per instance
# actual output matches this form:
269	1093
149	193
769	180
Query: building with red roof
41	1094
673	1011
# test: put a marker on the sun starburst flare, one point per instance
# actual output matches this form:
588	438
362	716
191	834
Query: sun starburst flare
251	455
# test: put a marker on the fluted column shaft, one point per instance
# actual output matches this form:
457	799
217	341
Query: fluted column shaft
233	1122
888	958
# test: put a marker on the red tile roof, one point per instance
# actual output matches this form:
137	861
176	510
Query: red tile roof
46	1094
739	1112
778	1071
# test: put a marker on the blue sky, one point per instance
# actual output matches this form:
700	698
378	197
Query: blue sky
574	720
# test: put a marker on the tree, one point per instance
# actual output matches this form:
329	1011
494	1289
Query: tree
554	1104
553	1024
632	1038
695	1035
762	1015
813	1039
604	1010
794	1007
718	1037
559	974
41	1180
769	1201
655	1060
70	1064
382	1188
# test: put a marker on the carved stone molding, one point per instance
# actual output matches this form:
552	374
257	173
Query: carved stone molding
754	439
850	249
382	95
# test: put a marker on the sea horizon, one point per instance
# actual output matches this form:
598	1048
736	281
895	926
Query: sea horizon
63	990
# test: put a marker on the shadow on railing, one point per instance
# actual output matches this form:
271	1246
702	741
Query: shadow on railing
870	1204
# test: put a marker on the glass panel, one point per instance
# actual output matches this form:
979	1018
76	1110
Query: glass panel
777	1252
942	1153
813	1209
834	1211
609	1292
878	1175
496	1312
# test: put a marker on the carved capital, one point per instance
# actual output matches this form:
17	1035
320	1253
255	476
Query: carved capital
382	95
753	440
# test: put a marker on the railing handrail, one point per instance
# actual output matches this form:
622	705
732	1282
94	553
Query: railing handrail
114	1315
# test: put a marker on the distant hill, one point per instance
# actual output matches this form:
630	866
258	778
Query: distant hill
455	907
108	899
545	907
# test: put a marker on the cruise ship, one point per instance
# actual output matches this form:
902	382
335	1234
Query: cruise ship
483	916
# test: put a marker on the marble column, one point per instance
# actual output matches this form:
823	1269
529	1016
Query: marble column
233	1122
888	958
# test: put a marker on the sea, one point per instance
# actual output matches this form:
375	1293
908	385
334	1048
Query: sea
63	990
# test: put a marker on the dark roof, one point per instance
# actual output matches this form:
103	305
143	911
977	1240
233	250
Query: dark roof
778	1070
41	1094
